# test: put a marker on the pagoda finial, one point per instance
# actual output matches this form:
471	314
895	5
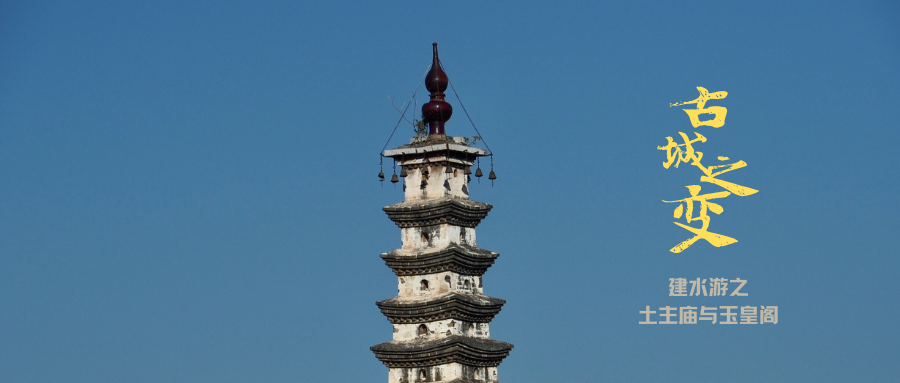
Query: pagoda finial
437	111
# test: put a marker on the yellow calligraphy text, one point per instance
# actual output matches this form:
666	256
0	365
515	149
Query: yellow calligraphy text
714	239
678	153
719	112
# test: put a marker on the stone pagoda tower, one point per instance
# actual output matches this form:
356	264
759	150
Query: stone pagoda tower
440	314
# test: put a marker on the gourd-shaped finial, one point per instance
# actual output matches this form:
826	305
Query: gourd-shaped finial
437	111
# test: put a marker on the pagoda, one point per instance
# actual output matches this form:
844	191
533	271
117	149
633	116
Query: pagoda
440	315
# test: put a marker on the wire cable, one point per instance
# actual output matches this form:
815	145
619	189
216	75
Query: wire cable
403	114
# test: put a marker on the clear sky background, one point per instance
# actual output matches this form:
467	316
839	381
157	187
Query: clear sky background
188	189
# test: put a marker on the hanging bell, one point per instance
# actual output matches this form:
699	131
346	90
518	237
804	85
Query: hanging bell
402	171
394	179
381	175
492	176
478	172
423	184
468	170
448	169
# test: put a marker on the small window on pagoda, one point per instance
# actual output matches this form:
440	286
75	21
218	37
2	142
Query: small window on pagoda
423	330
466	284
422	374
424	285
470	330
424	237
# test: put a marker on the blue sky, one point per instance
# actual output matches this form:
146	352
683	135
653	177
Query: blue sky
188	190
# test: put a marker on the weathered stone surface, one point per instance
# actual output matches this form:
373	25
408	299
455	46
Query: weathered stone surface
440	329
440	144
445	210
461	259
452	349
464	307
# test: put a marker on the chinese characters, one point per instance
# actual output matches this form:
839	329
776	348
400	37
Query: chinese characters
717	287
688	315
685	153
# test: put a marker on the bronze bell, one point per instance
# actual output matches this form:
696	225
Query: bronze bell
402	171
468	170
448	169
394	178
478	172
381	175
492	176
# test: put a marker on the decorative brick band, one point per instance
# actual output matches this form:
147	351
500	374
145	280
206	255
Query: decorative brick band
459	212
462	307
452	349
460	259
